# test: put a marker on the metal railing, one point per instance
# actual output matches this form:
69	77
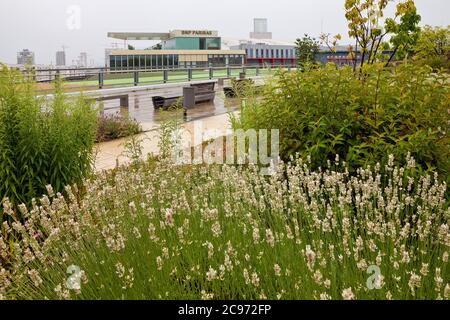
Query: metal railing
100	78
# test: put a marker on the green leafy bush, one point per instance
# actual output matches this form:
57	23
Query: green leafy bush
433	48
41	142
116	126
363	118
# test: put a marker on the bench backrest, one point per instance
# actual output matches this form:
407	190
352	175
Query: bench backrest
204	87
119	96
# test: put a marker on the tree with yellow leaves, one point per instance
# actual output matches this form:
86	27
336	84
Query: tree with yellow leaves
370	28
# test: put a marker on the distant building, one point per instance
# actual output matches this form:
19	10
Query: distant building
179	49
83	62
260	30
108	53
340	55
25	57
268	53
261	50
60	58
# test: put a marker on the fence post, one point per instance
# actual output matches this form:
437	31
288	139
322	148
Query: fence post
165	75
189	74
211	73
228	71
257	70
136	78
101	79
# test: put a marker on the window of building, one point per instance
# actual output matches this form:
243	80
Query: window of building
124	62
130	62
202	43
213	43
235	60
112	62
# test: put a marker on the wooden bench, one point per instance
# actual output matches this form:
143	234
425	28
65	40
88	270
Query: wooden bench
124	101
166	101
204	92
221	81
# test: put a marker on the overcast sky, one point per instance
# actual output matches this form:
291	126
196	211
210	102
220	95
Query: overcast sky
43	26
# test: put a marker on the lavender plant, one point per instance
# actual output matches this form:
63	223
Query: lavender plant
159	231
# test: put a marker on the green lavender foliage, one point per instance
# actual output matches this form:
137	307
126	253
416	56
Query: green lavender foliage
42	142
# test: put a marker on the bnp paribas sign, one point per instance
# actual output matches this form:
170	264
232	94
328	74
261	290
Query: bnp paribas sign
194	33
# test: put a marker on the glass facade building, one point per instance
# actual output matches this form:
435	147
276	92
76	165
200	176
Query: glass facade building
161	59
179	49
268	54
192	43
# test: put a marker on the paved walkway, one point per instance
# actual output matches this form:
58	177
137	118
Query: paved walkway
113	153
206	117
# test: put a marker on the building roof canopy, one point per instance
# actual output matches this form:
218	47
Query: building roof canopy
161	36
139	35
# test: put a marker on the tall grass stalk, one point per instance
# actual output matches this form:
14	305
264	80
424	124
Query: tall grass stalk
42	142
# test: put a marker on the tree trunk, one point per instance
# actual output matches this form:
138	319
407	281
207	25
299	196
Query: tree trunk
391	57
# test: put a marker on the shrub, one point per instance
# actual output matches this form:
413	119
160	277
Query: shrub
41	142
433	48
327	111
159	231
116	126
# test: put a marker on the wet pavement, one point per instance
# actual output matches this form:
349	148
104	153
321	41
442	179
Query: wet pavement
142	110
206	117
114	153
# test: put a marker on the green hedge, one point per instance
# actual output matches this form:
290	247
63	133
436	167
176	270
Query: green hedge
362	117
